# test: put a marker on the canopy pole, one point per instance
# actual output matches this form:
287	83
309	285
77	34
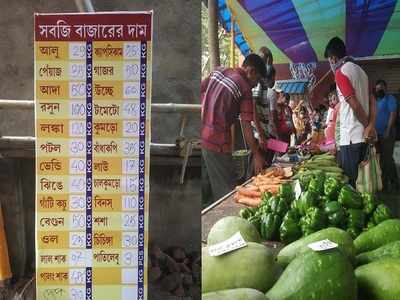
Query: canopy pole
213	41
232	52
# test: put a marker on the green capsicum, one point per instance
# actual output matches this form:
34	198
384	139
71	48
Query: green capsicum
289	230
356	218
273	203
286	192
307	199
314	220
349	197
269	226
256	221
265	198
317	185
292	214
332	188
246	213
381	214
354	232
304	181
335	213
282	207
369	203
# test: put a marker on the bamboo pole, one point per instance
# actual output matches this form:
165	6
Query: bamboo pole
213	42
232	46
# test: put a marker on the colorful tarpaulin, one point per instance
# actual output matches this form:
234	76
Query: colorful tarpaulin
297	31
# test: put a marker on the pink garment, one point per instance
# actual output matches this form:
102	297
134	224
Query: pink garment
331	125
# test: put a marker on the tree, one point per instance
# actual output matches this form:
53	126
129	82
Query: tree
224	44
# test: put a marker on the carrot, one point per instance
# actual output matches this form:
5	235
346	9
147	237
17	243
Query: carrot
252	202
249	193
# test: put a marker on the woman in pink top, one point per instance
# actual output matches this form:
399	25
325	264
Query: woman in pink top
331	122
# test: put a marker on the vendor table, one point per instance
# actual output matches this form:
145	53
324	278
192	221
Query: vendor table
226	206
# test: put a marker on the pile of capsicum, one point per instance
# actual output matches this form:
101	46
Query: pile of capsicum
320	201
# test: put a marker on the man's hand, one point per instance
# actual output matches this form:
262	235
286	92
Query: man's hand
370	133
259	163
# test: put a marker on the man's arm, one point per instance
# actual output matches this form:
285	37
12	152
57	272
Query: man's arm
257	122
370	132
346	88
246	115
358	110
253	145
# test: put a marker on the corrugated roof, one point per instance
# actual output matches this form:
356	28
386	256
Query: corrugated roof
292	86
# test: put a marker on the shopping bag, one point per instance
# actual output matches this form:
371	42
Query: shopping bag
276	145
369	172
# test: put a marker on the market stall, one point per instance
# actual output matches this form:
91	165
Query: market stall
310	235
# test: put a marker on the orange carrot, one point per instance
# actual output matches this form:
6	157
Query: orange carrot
249	193
252	202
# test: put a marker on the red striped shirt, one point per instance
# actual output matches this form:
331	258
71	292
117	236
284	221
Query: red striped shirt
225	95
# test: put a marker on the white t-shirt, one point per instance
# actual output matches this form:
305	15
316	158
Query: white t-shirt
351	80
266	102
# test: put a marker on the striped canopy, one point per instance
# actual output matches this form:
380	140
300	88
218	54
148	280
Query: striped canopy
297	31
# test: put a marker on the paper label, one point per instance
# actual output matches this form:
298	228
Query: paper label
322	245
297	189
233	243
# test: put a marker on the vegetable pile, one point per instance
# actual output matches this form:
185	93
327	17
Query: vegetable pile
322	199
363	263
250	195
255	272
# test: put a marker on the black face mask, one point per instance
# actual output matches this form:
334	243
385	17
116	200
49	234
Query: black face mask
380	93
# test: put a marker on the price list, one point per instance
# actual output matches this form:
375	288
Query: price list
92	109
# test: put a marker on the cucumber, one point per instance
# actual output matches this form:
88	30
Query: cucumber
234	294
339	236
325	275
391	250
250	267
384	233
228	226
379	280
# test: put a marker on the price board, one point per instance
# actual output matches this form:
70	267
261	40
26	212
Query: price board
92	114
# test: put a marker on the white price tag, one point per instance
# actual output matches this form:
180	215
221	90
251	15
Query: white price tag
322	245
233	243
297	189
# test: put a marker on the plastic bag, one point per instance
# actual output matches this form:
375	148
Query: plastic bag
369	172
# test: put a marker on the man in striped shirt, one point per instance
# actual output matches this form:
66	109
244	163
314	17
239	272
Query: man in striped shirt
226	95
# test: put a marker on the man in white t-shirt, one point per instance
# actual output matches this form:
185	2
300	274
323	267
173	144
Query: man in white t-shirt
357	107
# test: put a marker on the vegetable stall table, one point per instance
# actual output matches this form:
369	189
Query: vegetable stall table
226	206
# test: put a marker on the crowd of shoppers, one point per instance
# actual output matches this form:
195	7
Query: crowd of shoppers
352	118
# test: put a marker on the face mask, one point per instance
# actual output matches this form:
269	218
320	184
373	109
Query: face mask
380	93
269	69
333	66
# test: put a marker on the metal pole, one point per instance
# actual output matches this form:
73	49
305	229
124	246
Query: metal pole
213	42
89	5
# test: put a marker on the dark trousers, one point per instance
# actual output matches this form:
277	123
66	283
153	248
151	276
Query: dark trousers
350	157
385	147
220	172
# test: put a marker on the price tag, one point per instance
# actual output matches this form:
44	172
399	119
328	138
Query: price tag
322	245
233	243
297	189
